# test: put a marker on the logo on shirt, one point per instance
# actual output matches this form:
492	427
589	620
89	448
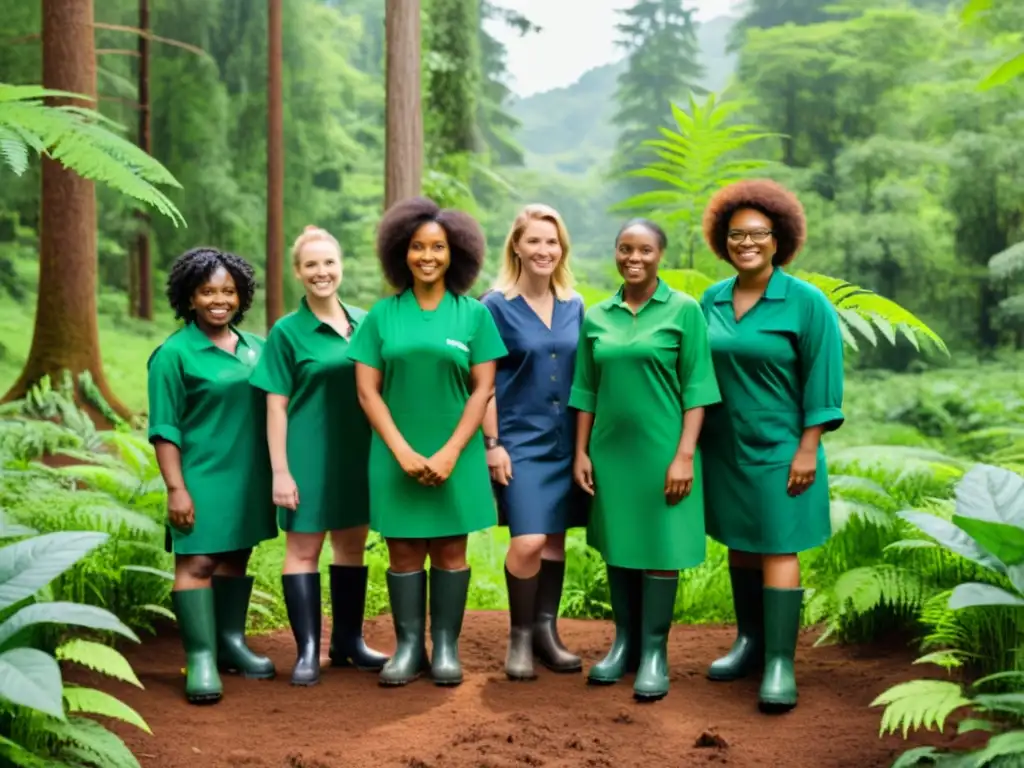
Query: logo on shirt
456	344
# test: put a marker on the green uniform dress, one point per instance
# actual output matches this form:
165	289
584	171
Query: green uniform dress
200	400
780	369
425	358
328	441
637	374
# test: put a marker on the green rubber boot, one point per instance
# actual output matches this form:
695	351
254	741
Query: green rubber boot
231	596
407	593
659	601
194	609
747	652
448	591
781	627
626	589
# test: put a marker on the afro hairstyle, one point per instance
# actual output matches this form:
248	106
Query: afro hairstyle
466	243
194	267
789	224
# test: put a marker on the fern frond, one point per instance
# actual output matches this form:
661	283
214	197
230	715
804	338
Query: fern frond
861	590
1009	744
919	704
99	658
90	701
844	510
16	755
89	744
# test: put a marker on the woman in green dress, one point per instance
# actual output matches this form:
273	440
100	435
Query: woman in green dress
643	378
208	428
319	449
425	368
778	356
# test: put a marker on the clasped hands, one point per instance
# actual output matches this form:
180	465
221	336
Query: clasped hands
429	471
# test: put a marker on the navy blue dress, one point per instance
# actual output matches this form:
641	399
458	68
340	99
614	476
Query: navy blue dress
535	424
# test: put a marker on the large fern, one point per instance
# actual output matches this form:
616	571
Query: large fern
83	141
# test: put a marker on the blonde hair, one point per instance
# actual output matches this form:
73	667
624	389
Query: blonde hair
312	234
562	279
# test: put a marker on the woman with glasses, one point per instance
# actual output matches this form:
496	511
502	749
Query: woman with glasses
778	357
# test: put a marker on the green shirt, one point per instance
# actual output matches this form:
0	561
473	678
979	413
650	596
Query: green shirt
328	438
200	400
638	373
425	357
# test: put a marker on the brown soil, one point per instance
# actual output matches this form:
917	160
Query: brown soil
348	721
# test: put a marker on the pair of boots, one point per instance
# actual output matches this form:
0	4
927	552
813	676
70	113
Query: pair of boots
348	605
408	595
533	617
767	625
642	606
212	625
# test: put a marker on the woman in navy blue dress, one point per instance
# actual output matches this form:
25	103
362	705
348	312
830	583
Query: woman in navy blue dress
530	433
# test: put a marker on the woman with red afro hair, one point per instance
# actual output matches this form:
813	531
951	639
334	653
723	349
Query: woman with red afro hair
778	357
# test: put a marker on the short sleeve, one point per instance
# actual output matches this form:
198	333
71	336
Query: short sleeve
486	344
695	367
273	372
166	389
821	364
583	395
365	344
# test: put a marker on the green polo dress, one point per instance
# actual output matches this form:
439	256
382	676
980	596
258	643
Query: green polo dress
637	374
200	400
780	368
425	358
328	440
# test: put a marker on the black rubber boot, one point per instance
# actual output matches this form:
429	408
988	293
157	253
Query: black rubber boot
408	595
522	597
658	606
448	591
198	627
626	588
547	645
231	596
302	599
348	606
747	652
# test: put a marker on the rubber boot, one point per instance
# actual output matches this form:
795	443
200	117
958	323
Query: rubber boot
448	591
198	627
522	600
658	604
781	627
547	645
747	652
408	595
231	596
302	599
626	589
348	607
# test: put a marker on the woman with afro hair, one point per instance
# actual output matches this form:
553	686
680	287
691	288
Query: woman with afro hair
208	427
778	357
425	369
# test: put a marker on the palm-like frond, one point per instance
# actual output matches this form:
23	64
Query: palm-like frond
919	704
83	141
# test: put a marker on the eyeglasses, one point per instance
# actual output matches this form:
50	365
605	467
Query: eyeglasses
737	236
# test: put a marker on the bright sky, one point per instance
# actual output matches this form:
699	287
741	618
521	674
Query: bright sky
577	35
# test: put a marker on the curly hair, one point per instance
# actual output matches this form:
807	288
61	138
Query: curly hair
652	227
194	267
466	243
789	225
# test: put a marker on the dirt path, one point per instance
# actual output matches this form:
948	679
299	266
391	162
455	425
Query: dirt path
347	721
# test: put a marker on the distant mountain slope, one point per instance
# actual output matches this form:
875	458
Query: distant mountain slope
571	127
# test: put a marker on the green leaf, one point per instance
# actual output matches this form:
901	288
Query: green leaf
919	704
92	702
991	493
159	610
1004	541
972	724
17	755
31	678
151	571
29	565
1004	73
14	150
952	538
99	658
1002	745
974	595
90	616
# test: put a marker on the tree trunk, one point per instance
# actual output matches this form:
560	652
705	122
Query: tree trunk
275	167
404	120
143	264
66	333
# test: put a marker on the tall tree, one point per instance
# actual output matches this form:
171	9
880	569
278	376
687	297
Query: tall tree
275	165
452	78
66	333
403	174
142	285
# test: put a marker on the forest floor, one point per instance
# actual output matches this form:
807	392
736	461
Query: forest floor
557	721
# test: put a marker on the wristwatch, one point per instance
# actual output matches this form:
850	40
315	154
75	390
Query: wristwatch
491	442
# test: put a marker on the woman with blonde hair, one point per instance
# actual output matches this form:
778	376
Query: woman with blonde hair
319	442
530	433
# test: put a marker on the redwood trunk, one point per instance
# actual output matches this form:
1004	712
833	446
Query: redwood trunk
66	335
143	264
404	121
275	167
